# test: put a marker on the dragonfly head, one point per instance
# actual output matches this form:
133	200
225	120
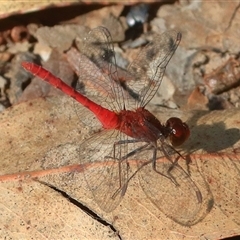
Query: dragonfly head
178	131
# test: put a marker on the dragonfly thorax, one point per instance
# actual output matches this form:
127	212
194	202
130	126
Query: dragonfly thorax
141	124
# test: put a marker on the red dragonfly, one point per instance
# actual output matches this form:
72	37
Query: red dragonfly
130	132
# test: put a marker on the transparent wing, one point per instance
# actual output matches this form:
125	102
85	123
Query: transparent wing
136	87
89	75
148	68
100	70
180	199
105	173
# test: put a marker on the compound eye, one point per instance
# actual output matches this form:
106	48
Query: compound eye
179	131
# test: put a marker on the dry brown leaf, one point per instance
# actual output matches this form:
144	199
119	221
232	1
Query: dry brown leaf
13	7
39	143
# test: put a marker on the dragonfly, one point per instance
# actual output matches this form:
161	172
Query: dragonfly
130	133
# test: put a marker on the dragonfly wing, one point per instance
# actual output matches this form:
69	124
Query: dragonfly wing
106	176
148	68
101	70
180	199
144	75
89	74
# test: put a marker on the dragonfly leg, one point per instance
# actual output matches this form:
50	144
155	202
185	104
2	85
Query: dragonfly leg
154	160
175	164
123	186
